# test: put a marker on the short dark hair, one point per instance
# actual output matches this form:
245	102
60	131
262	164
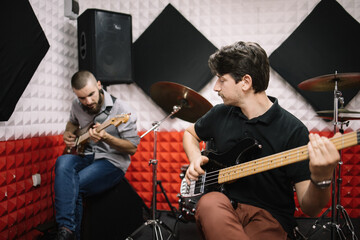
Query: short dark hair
242	58
81	78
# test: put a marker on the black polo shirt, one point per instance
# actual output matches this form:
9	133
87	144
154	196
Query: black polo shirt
276	131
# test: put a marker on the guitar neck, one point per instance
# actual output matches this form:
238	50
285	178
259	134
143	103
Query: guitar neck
281	159
86	135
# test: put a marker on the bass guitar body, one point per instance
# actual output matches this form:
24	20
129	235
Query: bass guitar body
190	194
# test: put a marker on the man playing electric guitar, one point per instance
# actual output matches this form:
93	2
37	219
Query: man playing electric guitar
105	159
260	206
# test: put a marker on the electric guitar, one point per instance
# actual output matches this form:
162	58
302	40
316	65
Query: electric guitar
83	133
217	173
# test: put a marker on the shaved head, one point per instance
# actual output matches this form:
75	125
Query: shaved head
81	78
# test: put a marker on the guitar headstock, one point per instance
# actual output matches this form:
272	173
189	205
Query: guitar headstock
119	119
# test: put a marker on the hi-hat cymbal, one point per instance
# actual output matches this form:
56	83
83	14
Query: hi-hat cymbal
343	114
169	94
327	82
340	111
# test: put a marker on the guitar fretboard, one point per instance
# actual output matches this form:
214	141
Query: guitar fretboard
281	159
86	135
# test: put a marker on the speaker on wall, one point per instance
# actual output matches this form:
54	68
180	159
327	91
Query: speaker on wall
105	45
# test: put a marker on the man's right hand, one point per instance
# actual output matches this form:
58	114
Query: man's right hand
194	170
69	139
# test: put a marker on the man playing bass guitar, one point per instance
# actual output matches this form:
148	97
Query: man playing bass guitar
104	159
260	206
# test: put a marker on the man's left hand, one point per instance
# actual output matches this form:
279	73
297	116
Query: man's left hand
95	135
323	157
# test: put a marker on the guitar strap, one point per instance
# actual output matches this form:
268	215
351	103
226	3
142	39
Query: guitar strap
108	108
100	117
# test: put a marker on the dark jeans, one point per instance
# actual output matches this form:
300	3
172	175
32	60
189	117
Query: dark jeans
77	177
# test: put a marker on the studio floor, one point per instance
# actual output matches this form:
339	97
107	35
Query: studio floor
173	229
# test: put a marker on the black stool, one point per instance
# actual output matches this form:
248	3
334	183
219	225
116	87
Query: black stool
113	214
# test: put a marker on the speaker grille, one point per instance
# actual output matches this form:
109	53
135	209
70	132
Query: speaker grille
108	35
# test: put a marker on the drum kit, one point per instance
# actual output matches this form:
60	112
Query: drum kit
184	103
340	117
334	82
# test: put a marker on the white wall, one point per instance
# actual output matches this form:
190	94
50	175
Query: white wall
44	106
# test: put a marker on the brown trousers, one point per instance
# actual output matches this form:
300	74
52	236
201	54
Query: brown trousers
218	220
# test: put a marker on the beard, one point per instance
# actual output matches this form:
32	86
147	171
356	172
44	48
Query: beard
97	105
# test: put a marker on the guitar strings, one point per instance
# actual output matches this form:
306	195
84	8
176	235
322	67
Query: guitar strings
212	177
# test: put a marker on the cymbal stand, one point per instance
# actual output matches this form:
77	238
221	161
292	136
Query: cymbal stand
334	225
339	208
336	207
154	222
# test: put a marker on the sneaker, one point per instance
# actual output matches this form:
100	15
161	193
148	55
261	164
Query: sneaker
65	234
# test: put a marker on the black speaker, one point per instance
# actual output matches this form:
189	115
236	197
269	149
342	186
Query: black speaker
105	45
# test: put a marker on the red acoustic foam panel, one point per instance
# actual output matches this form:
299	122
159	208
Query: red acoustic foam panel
20	187
23	206
3	193
2	163
10	147
2	148
3	208
3	178
169	156
3	222
10	162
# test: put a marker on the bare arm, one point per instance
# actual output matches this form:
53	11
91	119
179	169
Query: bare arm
191	146
119	144
323	157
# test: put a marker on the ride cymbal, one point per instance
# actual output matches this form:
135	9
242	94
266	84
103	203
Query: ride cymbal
327	82
169	94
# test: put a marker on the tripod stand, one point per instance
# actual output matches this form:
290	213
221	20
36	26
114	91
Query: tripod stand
154	222
336	208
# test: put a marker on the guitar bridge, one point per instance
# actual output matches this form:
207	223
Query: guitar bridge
195	188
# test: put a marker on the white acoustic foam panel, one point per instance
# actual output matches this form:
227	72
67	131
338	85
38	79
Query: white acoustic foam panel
44	106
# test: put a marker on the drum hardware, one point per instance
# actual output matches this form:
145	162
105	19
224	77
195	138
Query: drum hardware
156	223
172	98
328	83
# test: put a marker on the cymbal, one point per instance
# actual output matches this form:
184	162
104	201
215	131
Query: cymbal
327	82
340	110
169	94
343	114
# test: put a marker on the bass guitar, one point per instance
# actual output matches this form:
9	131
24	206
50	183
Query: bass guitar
83	133
217	174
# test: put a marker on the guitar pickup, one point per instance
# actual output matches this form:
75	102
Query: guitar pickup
199	185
